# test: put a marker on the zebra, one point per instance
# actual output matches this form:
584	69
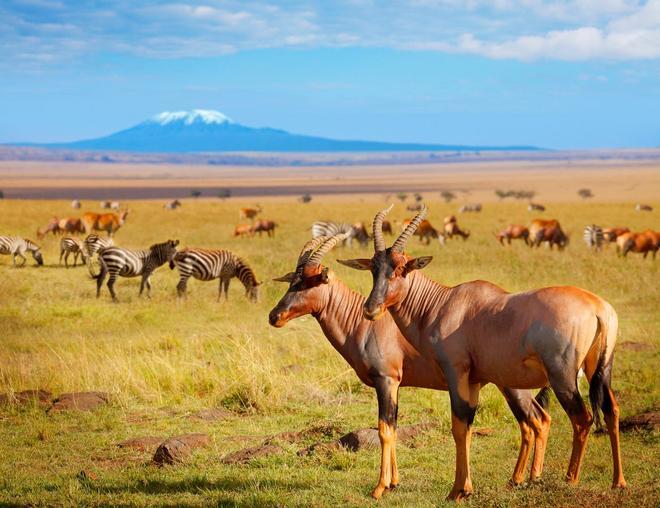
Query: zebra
17	246
355	231
131	263
73	246
209	264
593	237
92	244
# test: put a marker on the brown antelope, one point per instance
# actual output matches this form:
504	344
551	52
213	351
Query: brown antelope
243	230
383	359
452	229
172	205
611	234
426	232
71	225
477	332
641	207
387	227
513	232
264	226
109	222
52	227
542	230
249	213
640	243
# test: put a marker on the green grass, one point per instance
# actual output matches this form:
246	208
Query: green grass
163	359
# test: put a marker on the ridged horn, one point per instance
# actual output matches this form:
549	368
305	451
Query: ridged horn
400	243
308	249
315	259
379	241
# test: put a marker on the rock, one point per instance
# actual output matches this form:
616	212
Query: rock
146	443
360	439
41	397
79	401
213	414
328	429
247	454
178	448
644	421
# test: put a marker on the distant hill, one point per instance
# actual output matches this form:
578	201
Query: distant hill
211	131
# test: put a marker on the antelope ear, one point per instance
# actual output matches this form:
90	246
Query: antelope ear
175	242
288	278
417	263
357	264
325	275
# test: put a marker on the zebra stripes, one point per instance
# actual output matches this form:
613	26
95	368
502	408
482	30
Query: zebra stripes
17	246
329	228
207	264
73	246
91	245
593	237
117	261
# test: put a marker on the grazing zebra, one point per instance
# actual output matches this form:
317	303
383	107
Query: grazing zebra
73	246
207	264
328	228
17	246
131	263
593	237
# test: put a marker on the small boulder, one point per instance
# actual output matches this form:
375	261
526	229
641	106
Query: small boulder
179	448
247	454
41	397
146	443
644	421
213	414
79	401
361	439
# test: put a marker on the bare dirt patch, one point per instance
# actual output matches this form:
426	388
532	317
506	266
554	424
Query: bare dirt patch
644	421
79	401
247	454
145	443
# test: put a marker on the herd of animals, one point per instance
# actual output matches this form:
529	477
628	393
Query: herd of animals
414	331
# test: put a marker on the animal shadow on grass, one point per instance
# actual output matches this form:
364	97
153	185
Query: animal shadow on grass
203	486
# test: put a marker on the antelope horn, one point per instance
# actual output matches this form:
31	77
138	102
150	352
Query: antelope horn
315	259
379	241
400	243
309	248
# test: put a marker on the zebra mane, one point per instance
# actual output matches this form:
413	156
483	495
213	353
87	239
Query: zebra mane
31	245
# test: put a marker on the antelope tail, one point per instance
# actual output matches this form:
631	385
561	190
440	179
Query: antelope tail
600	382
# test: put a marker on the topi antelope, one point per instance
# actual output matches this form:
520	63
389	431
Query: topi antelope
383	359
542	230
477	332
513	232
611	234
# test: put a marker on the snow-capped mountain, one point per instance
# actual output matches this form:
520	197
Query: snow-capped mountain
203	130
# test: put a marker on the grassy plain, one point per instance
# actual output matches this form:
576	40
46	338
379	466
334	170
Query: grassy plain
164	359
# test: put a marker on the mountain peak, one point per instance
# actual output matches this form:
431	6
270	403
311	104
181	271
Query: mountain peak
205	116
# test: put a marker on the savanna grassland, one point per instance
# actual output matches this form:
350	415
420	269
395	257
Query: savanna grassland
165	359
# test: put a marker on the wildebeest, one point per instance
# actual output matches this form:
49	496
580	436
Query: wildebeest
513	232
641	207
108	222
535	207
473	207
477	332
542	230
383	359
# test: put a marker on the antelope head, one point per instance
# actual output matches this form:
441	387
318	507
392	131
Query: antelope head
389	266
307	293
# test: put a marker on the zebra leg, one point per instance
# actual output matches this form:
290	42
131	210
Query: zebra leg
181	286
226	288
20	254
100	279
111	284
61	255
148	283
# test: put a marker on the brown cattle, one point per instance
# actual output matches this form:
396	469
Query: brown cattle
108	222
513	232
477	332
383	359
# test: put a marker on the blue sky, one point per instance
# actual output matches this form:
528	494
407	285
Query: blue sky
558	74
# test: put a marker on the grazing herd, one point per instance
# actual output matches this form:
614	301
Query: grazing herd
412	330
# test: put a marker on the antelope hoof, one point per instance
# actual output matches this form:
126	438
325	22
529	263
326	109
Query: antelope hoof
378	491
458	494
621	484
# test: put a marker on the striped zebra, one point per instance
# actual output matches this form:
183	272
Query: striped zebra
73	246
92	244
208	264
17	246
593	237
328	228
131	263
